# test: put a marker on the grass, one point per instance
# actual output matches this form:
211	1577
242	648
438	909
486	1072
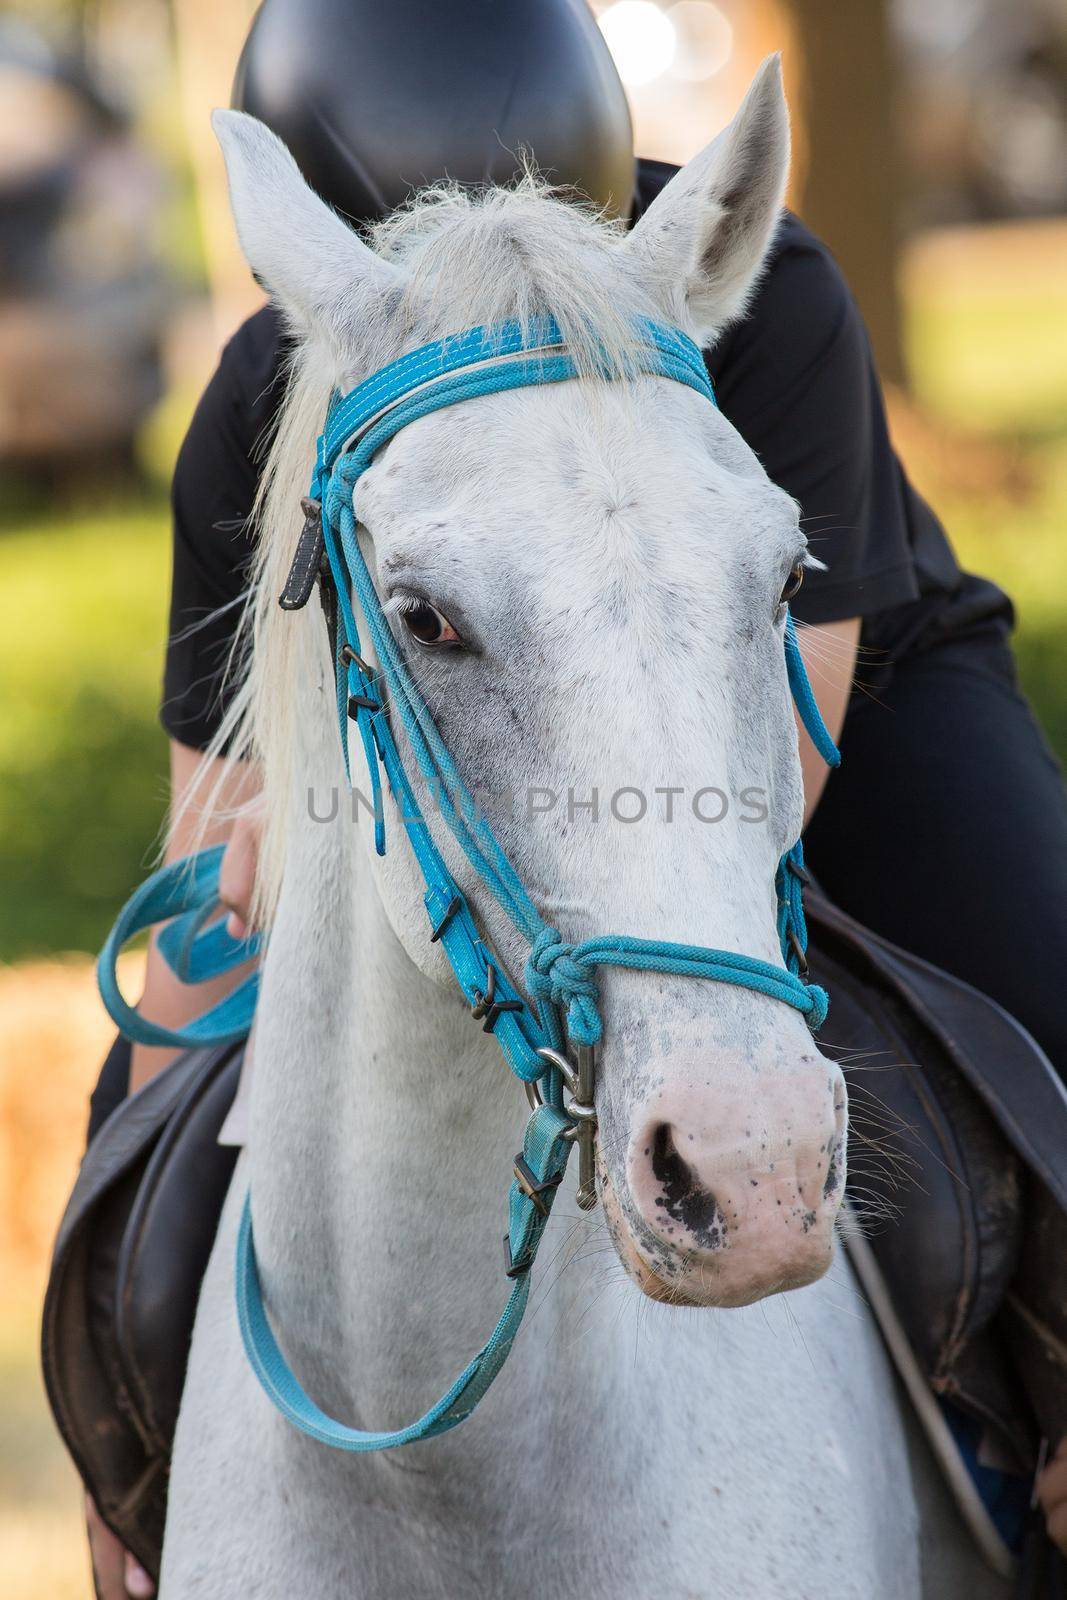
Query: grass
987	346
82	759
1024	548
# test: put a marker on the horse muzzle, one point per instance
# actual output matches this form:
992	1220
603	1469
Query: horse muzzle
729	1195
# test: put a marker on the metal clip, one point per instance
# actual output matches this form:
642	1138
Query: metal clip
580	1084
357	702
348	654
799	951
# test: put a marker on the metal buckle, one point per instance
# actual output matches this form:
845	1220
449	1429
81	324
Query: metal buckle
484	1001
531	1185
360	702
579	1083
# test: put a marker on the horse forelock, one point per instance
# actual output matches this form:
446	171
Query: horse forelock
514	253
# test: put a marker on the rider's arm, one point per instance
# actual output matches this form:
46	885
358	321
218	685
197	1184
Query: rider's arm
213	494
829	652
796	378
165	999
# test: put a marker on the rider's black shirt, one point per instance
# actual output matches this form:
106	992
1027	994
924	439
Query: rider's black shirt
796	378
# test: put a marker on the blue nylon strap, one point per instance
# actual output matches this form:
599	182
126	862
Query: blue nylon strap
186	890
560	978
197	948
351	412
804	700
545	1151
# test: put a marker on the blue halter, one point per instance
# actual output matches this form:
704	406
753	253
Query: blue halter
560	979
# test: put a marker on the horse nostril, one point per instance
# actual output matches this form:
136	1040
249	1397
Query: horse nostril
684	1199
667	1164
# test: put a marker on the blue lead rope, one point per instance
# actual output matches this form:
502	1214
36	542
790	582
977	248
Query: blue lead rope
183	895
559	978
545	1150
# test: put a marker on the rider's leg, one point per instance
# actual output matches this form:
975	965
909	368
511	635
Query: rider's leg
945	828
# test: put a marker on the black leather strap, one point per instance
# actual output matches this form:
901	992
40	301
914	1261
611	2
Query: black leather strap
307	561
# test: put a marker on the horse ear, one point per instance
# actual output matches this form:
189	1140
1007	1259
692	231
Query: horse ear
316	267
700	245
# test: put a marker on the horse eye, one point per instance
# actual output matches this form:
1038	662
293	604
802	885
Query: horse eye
793	582
426	624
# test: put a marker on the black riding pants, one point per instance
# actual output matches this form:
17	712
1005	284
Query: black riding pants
945	827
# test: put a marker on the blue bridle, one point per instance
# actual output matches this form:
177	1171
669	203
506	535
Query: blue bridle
560	1008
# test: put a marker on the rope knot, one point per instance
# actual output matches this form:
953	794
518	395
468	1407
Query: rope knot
556	975
820	1005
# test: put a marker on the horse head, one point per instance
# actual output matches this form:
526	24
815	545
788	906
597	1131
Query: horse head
586	581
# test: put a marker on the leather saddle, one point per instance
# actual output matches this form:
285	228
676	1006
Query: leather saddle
958	1168
128	1261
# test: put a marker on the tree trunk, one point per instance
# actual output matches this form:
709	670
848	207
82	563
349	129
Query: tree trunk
850	189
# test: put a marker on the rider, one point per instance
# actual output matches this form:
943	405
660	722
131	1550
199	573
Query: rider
946	780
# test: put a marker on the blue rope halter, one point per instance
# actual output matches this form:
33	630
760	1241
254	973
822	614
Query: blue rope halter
560	978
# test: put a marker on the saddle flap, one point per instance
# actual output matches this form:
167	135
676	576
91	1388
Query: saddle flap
166	1241
999	1059
974	1107
98	1413
929	1172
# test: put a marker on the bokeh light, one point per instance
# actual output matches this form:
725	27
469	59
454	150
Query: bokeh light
641	38
705	40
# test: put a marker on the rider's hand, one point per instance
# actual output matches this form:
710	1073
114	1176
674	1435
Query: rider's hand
117	1574
237	875
1052	1492
166	999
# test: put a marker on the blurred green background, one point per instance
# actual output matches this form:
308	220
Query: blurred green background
81	759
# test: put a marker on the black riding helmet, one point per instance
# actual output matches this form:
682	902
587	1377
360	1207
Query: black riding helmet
376	98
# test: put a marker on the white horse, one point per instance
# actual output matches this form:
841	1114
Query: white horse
610	558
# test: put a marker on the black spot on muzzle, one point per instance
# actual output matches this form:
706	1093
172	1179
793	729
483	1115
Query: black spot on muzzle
684	1198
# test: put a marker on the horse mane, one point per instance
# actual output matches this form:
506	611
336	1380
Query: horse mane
469	258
